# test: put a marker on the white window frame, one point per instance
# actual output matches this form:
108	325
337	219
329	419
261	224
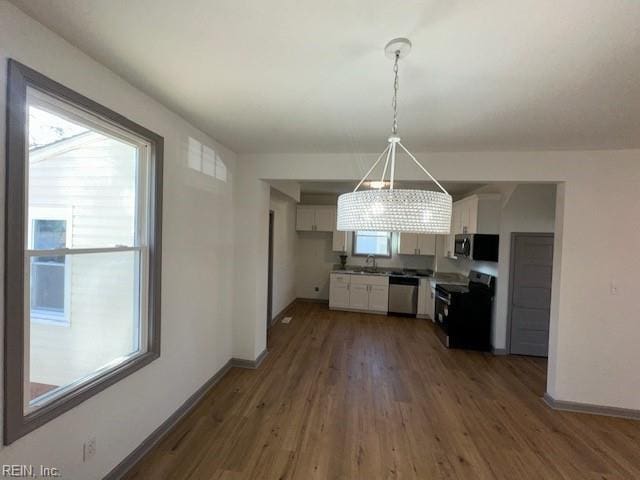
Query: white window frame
69	112
356	253
44	212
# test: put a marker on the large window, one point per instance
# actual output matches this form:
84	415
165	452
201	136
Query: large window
372	243
83	240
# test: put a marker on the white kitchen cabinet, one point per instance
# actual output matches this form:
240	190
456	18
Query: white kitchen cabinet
416	244
359	296
339	290
426	244
379	298
369	293
325	219
305	218
339	243
426	298
407	243
315	218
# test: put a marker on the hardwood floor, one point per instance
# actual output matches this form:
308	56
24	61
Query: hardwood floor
356	396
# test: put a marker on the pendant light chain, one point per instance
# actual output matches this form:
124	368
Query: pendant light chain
410	210
394	102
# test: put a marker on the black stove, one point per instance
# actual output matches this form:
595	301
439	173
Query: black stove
463	312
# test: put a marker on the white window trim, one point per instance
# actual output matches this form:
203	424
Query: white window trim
65	110
359	254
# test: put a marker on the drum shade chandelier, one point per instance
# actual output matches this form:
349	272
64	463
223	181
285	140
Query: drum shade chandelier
388	209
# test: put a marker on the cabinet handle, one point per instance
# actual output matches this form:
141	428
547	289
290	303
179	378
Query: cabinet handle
418	251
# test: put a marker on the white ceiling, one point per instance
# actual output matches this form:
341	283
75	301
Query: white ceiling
310	76
454	188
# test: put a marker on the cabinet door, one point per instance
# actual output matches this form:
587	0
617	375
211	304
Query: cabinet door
472	215
339	241
305	218
339	295
359	296
431	299
426	244
408	243
463	217
325	219
423	290
378	298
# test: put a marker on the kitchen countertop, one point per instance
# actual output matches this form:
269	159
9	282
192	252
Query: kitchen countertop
439	277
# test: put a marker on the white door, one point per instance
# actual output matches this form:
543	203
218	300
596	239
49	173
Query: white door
359	296
408	243
426	244
305	218
378	298
325	219
339	241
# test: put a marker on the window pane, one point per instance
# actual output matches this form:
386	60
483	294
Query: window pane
103	319
47	287
49	234
74	165
372	243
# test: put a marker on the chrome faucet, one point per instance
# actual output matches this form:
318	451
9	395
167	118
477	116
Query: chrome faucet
371	257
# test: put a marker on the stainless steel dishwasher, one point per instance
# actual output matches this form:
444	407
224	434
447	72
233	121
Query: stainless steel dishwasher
403	295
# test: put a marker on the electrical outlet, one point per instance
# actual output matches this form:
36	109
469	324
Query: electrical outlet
89	449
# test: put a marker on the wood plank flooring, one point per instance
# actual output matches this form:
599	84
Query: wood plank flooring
356	396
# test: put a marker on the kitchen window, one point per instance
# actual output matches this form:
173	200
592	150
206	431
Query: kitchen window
372	243
83	249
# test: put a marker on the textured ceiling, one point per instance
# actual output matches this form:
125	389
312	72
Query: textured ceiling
310	76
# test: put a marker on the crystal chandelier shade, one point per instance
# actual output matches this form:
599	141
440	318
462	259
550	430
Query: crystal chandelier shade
395	210
415	211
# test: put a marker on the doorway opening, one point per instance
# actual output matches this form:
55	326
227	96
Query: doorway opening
270	276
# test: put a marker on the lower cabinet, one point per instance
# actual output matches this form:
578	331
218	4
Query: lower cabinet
339	291
359	292
426	298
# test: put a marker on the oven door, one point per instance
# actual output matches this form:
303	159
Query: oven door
463	245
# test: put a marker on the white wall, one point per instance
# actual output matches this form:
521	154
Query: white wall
197	264
594	335
284	251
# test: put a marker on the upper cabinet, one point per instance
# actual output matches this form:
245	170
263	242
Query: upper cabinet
475	214
316	218
416	244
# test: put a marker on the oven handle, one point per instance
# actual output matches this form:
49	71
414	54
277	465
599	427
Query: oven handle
443	299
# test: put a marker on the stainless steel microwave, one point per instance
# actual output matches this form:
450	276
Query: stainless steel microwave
477	246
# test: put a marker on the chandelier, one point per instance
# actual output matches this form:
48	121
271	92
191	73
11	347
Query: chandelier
390	209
